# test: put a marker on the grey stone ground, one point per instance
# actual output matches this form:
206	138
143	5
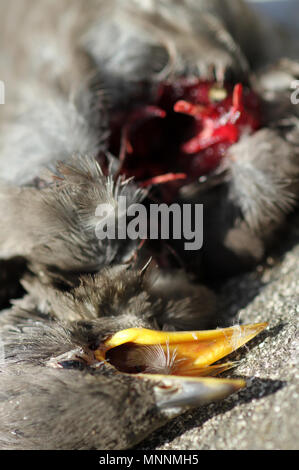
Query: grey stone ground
265	415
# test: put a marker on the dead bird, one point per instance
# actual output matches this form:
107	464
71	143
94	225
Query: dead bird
85	369
54	112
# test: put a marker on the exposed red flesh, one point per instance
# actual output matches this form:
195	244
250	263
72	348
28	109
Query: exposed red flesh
163	179
183	134
221	123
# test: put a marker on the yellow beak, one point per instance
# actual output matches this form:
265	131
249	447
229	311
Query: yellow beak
195	351
184	383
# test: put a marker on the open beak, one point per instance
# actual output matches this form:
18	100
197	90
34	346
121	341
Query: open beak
180	362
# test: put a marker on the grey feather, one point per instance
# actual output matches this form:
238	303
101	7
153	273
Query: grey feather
57	225
265	178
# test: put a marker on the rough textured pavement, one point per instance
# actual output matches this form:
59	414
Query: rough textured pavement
265	415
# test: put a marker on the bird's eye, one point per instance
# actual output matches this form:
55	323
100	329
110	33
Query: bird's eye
72	365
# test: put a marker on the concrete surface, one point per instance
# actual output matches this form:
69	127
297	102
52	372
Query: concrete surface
265	415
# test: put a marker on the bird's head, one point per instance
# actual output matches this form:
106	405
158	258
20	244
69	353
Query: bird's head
96	359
